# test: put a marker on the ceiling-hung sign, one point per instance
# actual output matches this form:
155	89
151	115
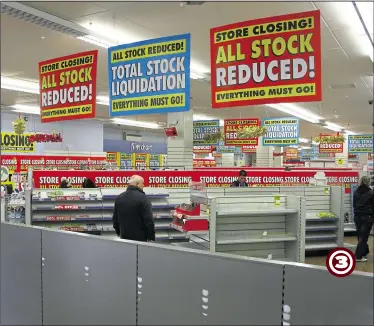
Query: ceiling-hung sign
360	144
68	87
267	60
281	131
151	76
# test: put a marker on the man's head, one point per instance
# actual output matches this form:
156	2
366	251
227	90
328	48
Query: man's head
137	181
242	176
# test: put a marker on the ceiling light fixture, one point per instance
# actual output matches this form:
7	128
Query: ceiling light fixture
304	140
95	41
296	111
134	123
333	127
21	85
23	108
366	8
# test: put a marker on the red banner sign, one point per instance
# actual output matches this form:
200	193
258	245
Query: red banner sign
202	162
177	179
203	149
248	149
68	87
267	60
231	128
291	153
50	161
331	147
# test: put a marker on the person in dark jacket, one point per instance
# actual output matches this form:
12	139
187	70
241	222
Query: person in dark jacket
363	208
133	216
88	183
241	180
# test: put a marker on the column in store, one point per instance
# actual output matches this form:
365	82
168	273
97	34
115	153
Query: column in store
180	147
278	157
264	155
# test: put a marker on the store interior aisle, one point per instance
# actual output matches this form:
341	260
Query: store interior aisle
362	267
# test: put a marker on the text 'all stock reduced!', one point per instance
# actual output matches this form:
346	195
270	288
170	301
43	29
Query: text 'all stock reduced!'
150	76
267	60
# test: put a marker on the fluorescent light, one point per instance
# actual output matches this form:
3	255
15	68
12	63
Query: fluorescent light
102	99
333	127
21	85
197	117
141	124
22	108
296	111
304	140
347	132
94	40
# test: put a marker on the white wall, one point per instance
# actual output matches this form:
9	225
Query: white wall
83	135
147	136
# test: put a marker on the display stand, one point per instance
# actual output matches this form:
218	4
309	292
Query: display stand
91	210
261	226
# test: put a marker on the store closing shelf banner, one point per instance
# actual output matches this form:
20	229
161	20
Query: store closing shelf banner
68	87
176	179
201	128
281	131
12	142
267	60
233	126
360	144
151	76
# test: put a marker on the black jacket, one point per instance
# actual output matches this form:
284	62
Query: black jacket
237	184
133	217
363	201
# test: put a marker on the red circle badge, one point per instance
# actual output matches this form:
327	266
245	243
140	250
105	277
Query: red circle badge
341	262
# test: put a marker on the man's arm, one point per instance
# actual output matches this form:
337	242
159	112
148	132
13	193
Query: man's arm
115	218
148	219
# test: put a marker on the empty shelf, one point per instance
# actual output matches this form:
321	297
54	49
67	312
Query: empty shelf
320	245
320	236
257	239
259	211
320	227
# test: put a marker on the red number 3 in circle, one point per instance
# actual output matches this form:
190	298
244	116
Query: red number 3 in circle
340	262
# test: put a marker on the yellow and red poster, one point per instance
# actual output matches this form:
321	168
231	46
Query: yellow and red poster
140	161
268	60
291	153
12	142
68	87
248	149
114	158
233	126
330	147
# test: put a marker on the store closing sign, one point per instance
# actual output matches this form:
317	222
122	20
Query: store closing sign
267	60
281	131
177	179
150	76
360	144
68	87
12	142
201	128
233	126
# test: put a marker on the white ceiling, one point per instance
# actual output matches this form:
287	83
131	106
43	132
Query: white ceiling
24	44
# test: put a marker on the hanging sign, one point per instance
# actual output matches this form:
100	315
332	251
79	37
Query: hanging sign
68	87
267	60
140	161
329	147
155	161
12	142
46	138
339	161
248	149
125	161
281	131
203	149
171	132
201	128
291	153
360	144
231	128
113	157
151	76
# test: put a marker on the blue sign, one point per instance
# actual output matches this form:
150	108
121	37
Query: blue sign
151	76
360	144
281	131
202	128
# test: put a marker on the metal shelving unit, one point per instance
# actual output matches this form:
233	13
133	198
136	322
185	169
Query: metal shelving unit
263	226
90	211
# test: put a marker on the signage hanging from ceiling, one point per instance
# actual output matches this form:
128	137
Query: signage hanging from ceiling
151	76
328	144
233	126
268	60
248	149
281	131
68	87
360	144
201	128
12	142
291	153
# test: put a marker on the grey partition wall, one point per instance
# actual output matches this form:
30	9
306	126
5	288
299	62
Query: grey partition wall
312	296
88	280
179	287
21	290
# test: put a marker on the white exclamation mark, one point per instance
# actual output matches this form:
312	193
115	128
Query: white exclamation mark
90	91
312	72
